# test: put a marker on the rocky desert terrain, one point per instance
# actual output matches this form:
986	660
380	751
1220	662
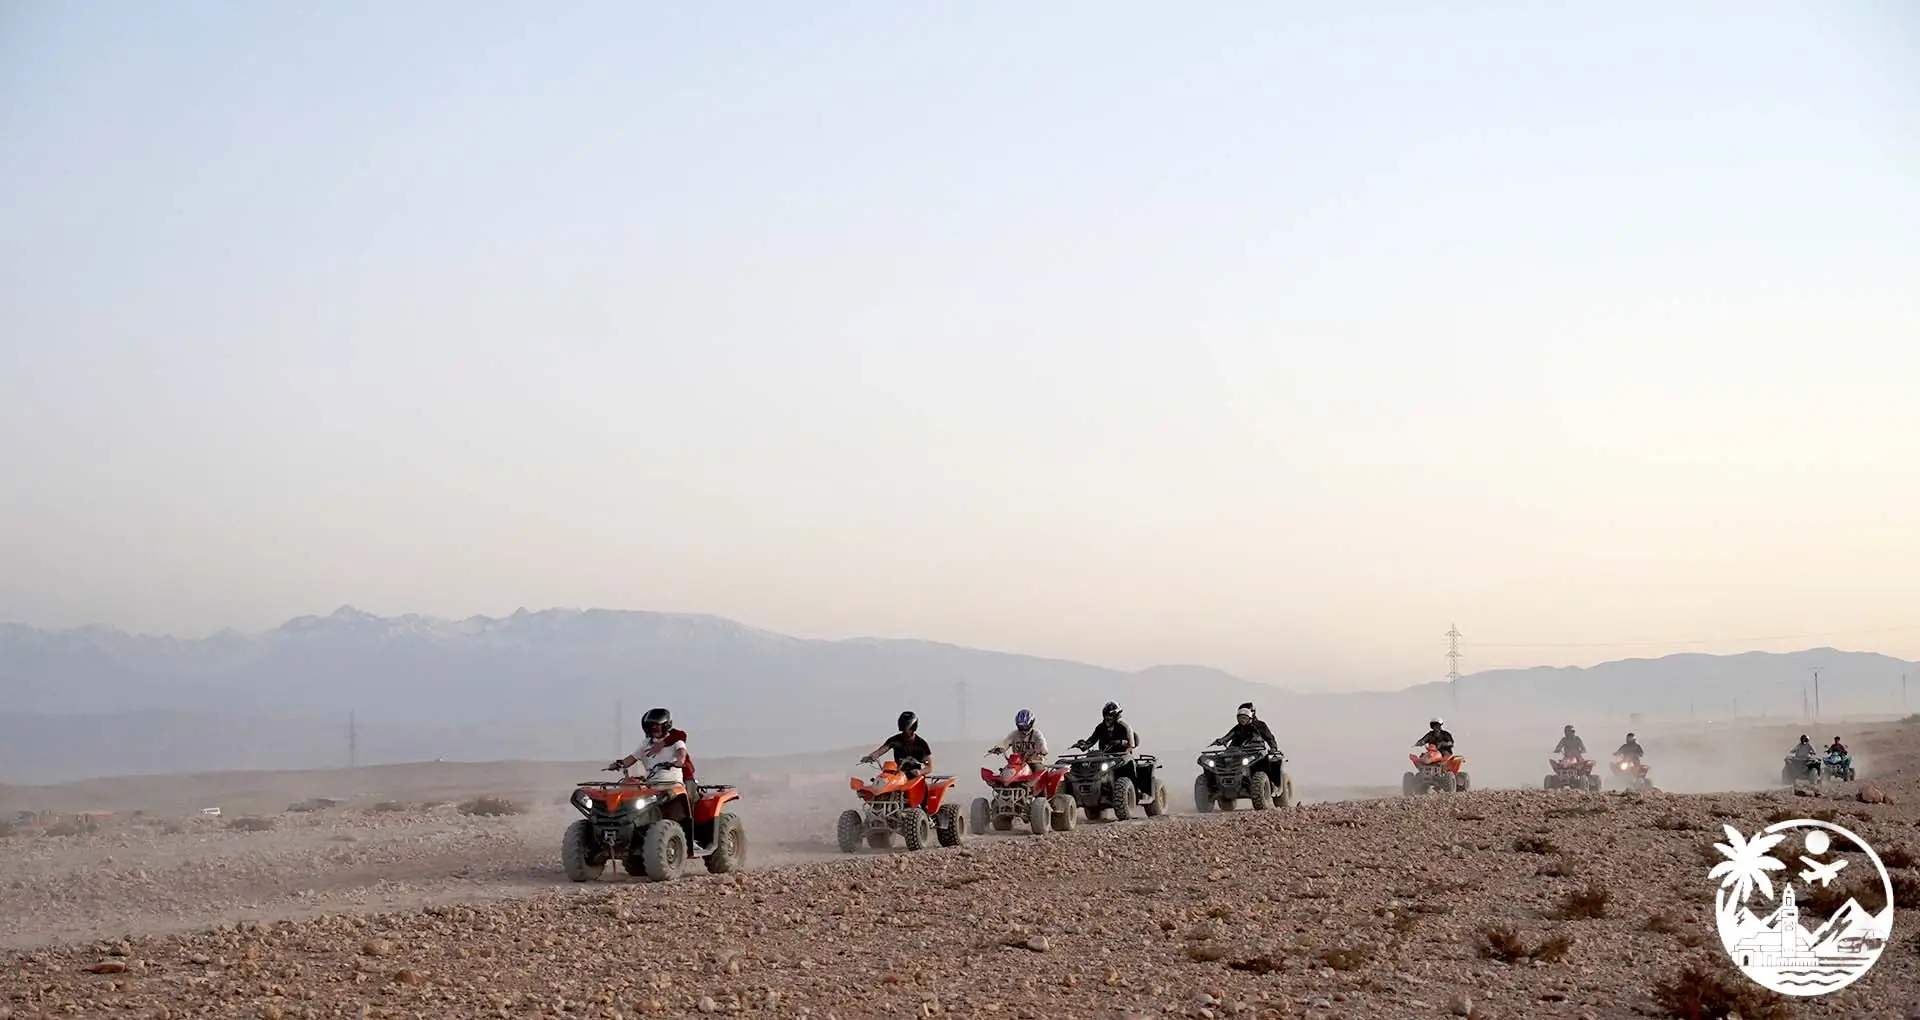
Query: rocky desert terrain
1492	903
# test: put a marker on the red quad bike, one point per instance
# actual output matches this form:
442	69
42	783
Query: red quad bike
1572	772
1434	771
1634	773
894	802
1021	792
652	826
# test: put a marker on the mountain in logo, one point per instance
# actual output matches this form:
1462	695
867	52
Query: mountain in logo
1847	929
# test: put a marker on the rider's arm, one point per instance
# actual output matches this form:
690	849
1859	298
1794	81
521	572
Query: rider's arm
1039	744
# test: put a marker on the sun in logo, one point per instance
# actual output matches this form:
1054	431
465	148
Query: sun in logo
1787	945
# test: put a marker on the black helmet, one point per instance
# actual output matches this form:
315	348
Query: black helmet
1629	736
1567	729
909	722
1435	723
658	722
1803	738
1110	711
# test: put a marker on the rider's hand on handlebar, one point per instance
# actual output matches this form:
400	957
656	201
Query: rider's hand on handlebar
995	750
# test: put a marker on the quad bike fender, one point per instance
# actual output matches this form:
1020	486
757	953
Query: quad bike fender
935	793
1048	785
990	777
715	800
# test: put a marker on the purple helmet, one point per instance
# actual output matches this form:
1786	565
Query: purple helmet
1023	720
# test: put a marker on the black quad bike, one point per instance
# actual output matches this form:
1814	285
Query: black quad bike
1798	768
652	826
1253	772
1095	784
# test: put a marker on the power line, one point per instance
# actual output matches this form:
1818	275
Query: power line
1698	641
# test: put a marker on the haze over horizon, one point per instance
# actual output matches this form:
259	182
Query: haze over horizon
1262	339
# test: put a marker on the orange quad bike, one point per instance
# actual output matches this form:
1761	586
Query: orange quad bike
652	826
1434	771
894	800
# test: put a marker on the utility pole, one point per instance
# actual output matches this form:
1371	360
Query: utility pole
1453	662
353	740
620	727
1816	693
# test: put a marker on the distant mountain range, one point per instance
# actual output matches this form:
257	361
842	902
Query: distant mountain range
95	700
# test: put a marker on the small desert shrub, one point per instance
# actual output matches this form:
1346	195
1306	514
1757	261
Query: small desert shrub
1570	812
1256	965
73	826
1504	944
1906	892
1350	958
1898	857
250	824
488	807
172	829
1675	823
311	805
1469	818
1697	993
1587	903
1661	924
1559	867
389	806
1534	845
7	829
1206	952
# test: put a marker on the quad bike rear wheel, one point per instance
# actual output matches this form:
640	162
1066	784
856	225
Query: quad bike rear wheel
849	829
982	813
1261	789
1124	799
1202	795
1284	797
948	825
1407	784
729	845
1593	783
1550	783
1159	805
916	829
1447	783
663	851
576	849
1462	783
1038	816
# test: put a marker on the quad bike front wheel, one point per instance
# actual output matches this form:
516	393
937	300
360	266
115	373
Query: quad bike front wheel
948	825
982	813
1125	799
1202	795
663	851
1159	805
1407	782
848	831
729	845
1062	813
916	828
576	848
1593	783
1462	783
1447	782
1262	791
1550	782
1038	816
1284	796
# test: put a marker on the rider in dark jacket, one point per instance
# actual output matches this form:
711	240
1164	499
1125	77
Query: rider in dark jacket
1114	736
1571	744
909	748
1438	737
1631	750
1247	729
1837	747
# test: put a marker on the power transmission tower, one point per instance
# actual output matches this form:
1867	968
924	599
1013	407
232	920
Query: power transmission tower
1453	661
353	740
620	727
1816	693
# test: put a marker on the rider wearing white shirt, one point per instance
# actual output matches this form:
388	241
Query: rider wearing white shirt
666	747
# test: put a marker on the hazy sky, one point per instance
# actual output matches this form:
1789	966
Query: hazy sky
1272	338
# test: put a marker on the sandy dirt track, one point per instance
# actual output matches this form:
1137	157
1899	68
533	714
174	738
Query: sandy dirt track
1371	908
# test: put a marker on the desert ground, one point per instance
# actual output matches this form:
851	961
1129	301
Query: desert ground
378	892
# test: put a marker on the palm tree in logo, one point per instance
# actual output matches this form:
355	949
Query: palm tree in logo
1746	865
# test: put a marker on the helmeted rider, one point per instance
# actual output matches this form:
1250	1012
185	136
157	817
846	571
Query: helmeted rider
1437	735
666	747
1026	740
1631	750
913	753
1247	728
1837	747
1804	749
1116	737
1570	744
